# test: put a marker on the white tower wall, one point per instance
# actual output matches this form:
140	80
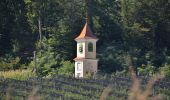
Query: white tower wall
79	69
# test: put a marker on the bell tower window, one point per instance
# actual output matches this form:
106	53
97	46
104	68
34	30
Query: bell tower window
81	48
90	47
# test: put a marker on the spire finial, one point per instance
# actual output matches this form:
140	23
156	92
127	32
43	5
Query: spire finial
87	18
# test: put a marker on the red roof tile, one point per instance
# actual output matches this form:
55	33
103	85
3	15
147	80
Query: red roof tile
86	33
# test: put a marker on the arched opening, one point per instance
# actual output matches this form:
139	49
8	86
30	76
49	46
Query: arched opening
90	47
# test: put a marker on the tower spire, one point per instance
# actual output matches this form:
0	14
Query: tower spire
87	18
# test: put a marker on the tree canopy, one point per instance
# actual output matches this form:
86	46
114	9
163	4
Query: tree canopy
139	28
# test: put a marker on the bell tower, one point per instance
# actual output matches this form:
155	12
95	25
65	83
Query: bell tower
86	61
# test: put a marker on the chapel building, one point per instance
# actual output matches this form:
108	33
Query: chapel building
86	61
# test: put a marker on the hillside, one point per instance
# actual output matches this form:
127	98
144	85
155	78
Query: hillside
67	88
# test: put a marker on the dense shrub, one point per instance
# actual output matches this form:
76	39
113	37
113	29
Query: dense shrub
8	62
67	68
45	63
148	69
165	70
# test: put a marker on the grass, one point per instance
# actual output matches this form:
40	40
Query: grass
17	74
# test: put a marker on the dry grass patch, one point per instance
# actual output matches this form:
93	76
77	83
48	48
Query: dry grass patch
16	74
136	93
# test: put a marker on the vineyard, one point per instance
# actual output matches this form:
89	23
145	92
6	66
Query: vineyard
68	88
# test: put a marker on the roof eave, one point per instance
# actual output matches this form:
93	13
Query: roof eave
76	39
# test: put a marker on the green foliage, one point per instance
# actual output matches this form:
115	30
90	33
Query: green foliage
45	62
8	62
148	69
165	70
138	27
16	38
143	29
67	68
112	57
88	75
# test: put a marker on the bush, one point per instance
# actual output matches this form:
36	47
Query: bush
8	62
45	63
88	75
67	68
165	70
148	69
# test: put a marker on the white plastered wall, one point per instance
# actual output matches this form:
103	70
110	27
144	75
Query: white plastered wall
90	66
80	72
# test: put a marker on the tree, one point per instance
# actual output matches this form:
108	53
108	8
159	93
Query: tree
14	30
